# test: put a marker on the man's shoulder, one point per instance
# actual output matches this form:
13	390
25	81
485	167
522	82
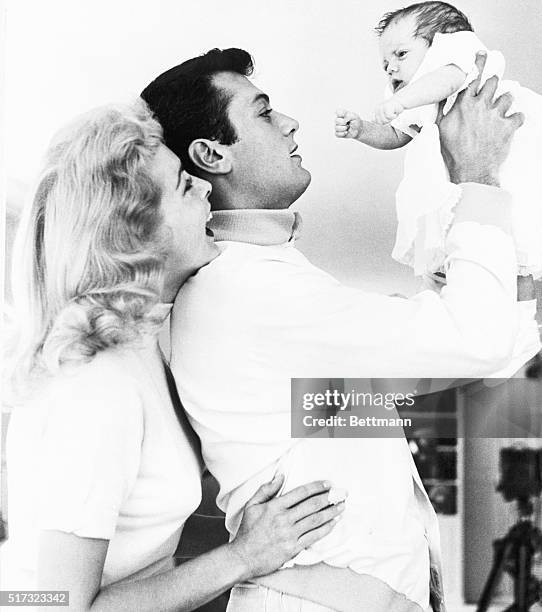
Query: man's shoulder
246	275
244	262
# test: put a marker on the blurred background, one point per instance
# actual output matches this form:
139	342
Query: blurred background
62	57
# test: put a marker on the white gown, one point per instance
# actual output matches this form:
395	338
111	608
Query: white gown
425	198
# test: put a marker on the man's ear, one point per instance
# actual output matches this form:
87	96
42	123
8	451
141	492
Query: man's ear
210	156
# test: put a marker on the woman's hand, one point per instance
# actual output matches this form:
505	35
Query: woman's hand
272	531
275	529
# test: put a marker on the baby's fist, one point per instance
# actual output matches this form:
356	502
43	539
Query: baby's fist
347	124
388	110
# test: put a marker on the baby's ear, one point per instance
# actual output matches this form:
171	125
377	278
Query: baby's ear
210	156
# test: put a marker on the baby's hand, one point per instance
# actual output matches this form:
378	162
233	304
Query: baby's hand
347	124
388	110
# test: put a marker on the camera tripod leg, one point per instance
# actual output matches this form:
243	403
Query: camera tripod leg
502	548
522	578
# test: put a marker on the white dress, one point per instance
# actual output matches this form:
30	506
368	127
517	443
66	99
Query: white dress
425	198
100	453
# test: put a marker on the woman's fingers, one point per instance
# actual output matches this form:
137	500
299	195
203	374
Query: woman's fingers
315	504
299	494
317	534
317	519
267	491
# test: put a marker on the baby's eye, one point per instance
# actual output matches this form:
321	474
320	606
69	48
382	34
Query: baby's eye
385	66
401	54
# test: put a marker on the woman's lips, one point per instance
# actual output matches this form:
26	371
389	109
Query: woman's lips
208	230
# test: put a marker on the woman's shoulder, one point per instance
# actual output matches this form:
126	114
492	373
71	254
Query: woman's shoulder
111	367
108	384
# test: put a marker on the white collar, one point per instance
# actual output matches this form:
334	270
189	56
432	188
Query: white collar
256	226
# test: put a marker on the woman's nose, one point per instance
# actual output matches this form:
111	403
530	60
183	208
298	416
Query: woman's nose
205	188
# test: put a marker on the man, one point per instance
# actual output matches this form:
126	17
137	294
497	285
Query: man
261	314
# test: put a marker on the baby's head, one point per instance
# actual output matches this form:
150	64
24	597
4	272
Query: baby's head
406	34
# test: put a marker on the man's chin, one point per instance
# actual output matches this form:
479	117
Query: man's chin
303	184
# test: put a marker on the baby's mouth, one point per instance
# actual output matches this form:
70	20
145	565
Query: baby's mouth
397	84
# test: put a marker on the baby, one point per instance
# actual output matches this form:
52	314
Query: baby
428	52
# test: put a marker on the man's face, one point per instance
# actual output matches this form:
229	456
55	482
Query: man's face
265	171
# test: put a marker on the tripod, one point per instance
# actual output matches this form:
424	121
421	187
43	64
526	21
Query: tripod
514	554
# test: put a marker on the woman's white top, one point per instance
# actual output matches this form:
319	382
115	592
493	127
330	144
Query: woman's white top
425	198
100	453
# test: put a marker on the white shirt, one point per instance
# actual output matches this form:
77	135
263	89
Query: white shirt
258	316
100	453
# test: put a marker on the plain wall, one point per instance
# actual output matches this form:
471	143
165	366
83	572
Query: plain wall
312	56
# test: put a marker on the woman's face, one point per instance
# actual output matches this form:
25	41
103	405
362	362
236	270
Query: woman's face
185	212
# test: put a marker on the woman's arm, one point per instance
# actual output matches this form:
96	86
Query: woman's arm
273	531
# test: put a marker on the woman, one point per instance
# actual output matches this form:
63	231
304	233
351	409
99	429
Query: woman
102	474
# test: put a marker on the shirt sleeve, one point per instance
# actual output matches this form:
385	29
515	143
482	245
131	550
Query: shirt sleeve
89	455
469	330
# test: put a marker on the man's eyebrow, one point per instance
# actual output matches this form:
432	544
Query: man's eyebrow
261	97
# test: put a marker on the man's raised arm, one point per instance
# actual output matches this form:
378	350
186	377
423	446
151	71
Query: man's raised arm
470	329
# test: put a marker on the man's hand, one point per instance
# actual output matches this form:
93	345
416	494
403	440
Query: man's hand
475	135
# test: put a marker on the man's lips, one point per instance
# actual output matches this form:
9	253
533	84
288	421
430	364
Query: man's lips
292	156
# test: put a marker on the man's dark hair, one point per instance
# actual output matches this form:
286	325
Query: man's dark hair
431	18
189	106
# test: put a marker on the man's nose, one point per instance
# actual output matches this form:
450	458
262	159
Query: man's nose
288	125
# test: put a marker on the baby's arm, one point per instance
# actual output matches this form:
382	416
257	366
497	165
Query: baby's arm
428	89
350	125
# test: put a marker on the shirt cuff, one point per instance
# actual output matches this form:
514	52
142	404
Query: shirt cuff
527	341
484	204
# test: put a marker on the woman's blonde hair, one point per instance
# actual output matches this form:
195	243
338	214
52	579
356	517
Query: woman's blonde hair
88	270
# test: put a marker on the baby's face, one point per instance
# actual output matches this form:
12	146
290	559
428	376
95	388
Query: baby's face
402	53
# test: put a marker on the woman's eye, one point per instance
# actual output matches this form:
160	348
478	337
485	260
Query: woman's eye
266	113
187	184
